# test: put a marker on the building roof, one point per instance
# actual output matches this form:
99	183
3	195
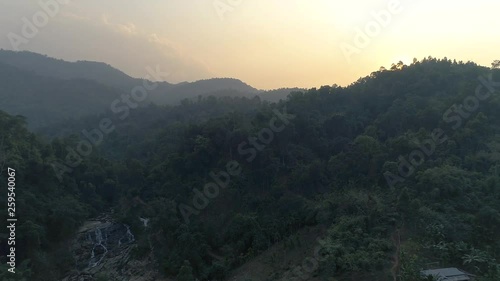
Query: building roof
448	274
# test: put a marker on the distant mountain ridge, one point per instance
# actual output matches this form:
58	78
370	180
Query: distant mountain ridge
57	68
166	93
45	100
48	90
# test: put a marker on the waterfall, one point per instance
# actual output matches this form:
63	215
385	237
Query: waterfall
144	221
105	245
104	239
130	236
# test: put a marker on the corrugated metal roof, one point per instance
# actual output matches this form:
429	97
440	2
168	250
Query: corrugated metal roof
447	274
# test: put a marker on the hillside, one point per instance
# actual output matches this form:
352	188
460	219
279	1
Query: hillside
78	89
369	182
219	87
164	93
60	69
46	100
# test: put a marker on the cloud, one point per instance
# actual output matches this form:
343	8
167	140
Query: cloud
124	45
126	29
74	17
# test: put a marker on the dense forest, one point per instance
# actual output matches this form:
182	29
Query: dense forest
393	173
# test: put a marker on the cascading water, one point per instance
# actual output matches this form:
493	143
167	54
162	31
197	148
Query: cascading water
104	246
129	237
102	240
99	242
145	221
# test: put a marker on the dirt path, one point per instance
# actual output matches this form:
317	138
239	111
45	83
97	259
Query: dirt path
396	239
214	256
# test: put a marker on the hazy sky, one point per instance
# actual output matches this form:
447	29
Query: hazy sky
265	43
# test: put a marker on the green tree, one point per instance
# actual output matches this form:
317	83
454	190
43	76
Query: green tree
186	272
495	64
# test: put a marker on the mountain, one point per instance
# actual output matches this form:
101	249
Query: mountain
216	86
279	94
165	93
48	90
46	100
60	69
373	181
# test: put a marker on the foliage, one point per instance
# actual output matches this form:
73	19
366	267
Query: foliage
326	167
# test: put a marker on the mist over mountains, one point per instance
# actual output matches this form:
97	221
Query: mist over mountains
48	90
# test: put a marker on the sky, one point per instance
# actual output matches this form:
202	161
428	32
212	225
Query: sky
266	43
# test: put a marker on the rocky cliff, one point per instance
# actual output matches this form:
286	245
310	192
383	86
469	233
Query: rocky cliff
102	252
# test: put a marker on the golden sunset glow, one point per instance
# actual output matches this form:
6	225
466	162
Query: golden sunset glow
268	44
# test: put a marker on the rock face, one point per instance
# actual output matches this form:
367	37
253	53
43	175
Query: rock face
101	251
105	239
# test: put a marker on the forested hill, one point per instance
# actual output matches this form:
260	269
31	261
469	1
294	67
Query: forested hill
46	100
396	172
60	69
163	92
